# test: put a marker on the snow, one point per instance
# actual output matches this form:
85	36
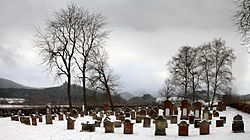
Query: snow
58	131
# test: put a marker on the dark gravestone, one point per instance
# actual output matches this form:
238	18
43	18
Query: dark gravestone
197	123
117	116
143	113
48	115
53	116
40	118
122	117
205	113
34	121
167	109
238	125
109	126
74	113
27	120
191	119
219	106
204	127
128	127
98	123
197	110
223	118
106	107
173	119
183	128
185	109
160	126
138	118
60	116
216	114
127	114
132	115
146	122
175	110
70	123
219	123
88	127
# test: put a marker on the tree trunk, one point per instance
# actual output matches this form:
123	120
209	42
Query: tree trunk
68	92
84	92
193	89
110	98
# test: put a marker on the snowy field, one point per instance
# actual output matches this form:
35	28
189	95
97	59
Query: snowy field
12	130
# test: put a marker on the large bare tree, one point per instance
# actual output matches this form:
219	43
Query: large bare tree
91	40
102	77
58	41
168	89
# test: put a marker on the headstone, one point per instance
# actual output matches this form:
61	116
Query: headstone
219	123
173	119
185	108
109	126
197	123
40	118
237	125
117	116
127	114
156	109
216	114
167	109
146	122
27	120
197	109
183	128
98	123
106	107
70	123
206	113
88	127
191	119
74	113
122	117
132	115
223	106
128	127
48	115
34	121
204	127
53	116
175	110
223	118
160	126
143	113
219	106
60	116
138	118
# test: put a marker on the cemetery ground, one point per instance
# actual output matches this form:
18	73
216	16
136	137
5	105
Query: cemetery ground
11	130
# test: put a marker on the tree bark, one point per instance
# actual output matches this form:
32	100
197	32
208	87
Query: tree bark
68	92
84	92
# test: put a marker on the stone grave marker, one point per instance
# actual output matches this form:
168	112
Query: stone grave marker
138	118
237	125
147	121
88	127
173	119
34	121
160	126
206	113
70	123
128	127
74	113
185	108
191	118
109	126
98	123
183	128
27	120
216	114
220	123
204	127
40	118
60	116
106	107
48	115
127	114
175	110
197	123
118	123
132	115
224	118
197	110
167	109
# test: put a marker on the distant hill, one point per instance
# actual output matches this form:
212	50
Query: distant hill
246	97
126	95
5	83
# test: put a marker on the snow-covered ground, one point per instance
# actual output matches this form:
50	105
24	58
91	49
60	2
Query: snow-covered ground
12	130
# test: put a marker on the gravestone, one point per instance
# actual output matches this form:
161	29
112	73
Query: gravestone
48	115
204	127
88	127
156	109
206	113
219	106
122	117
197	110
132	115
223	106
60	116
143	113
216	114
101	114
127	114
175	110
138	118
117	116
197	123
53	116
98	123
224	118
128	127
40	118
173	119
147	121
160	126
185	108
118	123
220	123
191	118
34	121
70	123
109	126
74	113
237	125
106	107
167	109
183	128
27	120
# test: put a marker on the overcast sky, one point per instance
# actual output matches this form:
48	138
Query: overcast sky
145	35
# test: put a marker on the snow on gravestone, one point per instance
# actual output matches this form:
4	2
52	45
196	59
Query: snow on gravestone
185	108
167	109
183	128
238	125
128	127
204	127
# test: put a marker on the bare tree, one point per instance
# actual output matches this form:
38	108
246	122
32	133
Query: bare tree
242	20
102	77
91	39
58	41
168	89
222	56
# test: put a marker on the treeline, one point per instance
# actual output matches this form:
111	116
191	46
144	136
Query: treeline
202	72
